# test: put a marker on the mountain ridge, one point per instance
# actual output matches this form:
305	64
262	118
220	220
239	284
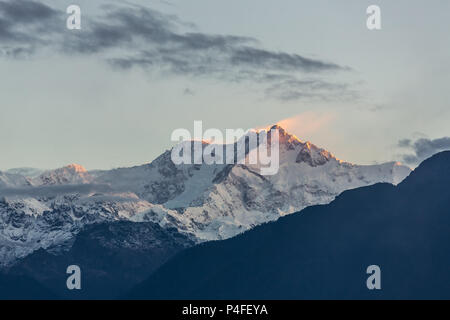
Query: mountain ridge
323	251
209	202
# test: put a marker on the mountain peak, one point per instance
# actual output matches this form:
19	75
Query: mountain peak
285	137
431	171
70	174
306	151
76	167
277	126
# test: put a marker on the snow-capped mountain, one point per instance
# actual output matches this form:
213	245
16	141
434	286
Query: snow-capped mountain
207	202
71	174
26	172
11	180
221	201
29	223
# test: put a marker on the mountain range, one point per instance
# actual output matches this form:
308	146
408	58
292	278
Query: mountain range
123	213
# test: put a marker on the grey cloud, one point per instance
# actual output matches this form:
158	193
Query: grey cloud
188	92
16	52
378	107
131	36
423	148
109	198
44	191
291	88
405	143
22	23
279	60
26	12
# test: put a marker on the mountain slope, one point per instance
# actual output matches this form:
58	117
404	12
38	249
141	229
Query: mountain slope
25	288
112	257
26	172
323	251
12	180
30	223
220	201
71	174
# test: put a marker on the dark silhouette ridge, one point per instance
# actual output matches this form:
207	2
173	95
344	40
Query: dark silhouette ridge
323	251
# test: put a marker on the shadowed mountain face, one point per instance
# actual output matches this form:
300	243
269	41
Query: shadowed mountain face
112	257
21	287
323	251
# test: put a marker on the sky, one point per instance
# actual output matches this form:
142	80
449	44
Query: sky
110	95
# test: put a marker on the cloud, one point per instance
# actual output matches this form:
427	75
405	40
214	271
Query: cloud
26	12
423	148
133	36
279	60
20	22
306	123
291	88
94	192
188	92
45	191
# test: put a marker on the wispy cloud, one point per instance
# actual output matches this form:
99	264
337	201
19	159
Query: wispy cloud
132	36
45	191
306	123
292	88
423	148
21	22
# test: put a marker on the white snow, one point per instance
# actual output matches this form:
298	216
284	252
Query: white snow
208	201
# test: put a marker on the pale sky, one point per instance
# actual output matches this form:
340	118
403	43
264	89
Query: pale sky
110	94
